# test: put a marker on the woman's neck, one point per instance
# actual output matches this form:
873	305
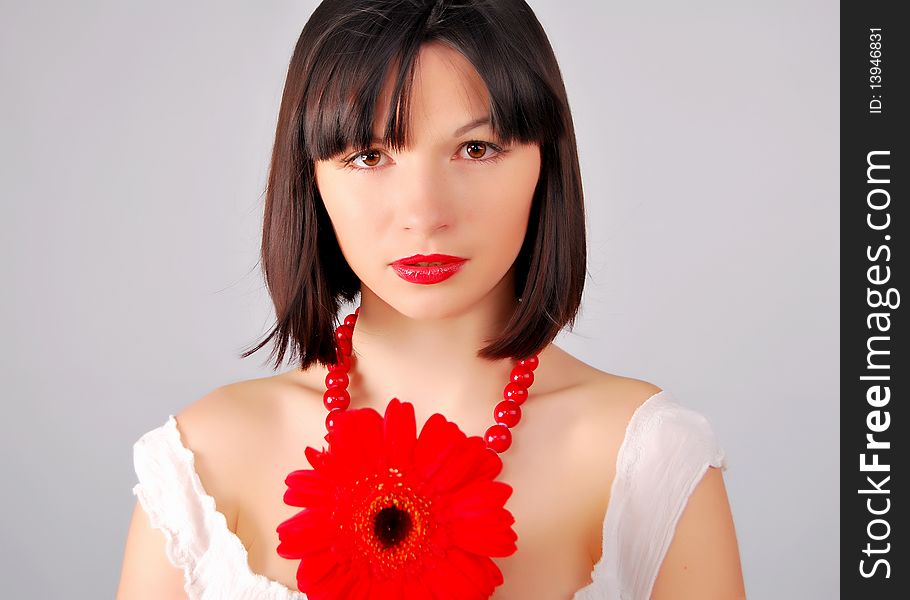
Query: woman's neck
429	362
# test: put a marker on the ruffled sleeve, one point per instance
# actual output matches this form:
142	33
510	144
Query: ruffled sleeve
166	491
213	559
666	451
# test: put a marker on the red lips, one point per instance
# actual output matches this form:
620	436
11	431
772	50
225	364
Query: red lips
407	269
443	258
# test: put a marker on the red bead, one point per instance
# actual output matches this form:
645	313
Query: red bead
522	376
343	358
516	392
336	398
337	379
498	438
342	362
344	332
331	418
530	363
507	413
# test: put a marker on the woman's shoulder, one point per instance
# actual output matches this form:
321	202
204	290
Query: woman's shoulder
237	407
640	423
597	407
226	416
607	399
229	429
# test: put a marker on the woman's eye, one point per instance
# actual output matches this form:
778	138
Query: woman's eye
371	159
483	152
476	149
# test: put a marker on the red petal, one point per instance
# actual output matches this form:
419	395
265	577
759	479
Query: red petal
489	535
490	465
337	584
344	545
314	456
493	570
357	436
391	588
476	569
361	587
415	589
461	465
314	568
307	488
450	583
475	499
429	579
308	531
437	440
400	434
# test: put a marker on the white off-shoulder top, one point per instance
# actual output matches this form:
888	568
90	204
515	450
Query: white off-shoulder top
665	452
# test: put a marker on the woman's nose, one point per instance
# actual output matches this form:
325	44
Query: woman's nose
426	198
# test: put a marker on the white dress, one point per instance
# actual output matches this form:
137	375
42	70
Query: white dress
666	450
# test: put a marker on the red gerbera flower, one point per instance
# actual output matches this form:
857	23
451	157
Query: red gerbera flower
392	515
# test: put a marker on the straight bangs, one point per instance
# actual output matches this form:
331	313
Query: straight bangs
349	72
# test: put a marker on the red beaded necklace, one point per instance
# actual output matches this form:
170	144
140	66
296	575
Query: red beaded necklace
389	513
506	414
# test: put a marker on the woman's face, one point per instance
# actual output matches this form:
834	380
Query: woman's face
455	191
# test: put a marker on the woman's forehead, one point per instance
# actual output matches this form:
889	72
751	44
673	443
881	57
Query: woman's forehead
447	96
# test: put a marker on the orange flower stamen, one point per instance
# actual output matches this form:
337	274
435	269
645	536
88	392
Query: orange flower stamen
391	523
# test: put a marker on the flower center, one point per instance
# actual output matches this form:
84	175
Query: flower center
392	523
391	526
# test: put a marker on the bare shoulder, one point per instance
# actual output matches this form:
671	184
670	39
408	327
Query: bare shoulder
594	405
604	400
229	415
229	428
703	558
609	402
618	397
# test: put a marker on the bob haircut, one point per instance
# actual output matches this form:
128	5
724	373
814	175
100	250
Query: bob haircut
343	57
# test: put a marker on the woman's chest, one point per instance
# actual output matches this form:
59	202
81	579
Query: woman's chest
559	500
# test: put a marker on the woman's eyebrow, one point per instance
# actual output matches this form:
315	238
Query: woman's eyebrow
472	125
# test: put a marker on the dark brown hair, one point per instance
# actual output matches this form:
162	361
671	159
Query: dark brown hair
340	63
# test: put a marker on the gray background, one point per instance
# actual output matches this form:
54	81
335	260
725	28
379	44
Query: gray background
134	147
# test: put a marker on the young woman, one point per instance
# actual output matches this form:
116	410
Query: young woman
467	456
